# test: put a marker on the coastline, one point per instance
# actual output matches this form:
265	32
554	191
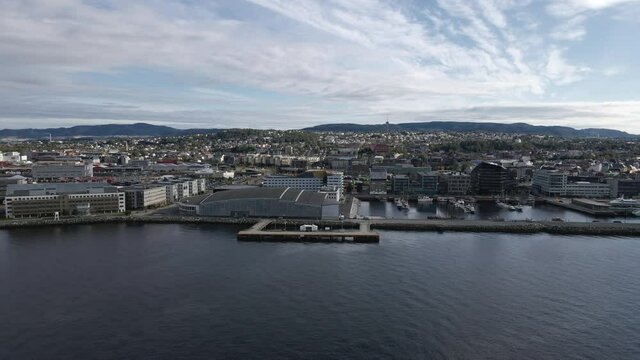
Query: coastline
515	227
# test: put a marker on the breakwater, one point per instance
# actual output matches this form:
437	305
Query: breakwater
525	227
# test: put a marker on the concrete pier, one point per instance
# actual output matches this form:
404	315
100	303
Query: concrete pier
258	232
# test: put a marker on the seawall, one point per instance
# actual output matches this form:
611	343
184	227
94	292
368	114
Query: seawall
523	227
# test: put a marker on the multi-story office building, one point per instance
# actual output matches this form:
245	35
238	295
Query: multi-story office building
400	184
56	170
627	188
140	197
455	183
490	179
378	183
427	183
47	199
550	182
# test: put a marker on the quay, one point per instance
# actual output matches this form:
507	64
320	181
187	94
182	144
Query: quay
259	232
354	226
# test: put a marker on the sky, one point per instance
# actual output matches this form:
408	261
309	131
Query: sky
297	63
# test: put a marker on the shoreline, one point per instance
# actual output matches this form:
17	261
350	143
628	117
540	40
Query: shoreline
513	227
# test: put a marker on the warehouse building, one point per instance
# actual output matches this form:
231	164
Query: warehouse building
45	200
263	202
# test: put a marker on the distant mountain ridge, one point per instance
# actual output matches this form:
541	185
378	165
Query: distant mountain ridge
143	129
460	126
138	129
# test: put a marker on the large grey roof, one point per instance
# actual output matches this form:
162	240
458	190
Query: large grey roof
275	193
252	193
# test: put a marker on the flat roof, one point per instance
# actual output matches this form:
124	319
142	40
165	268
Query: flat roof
274	193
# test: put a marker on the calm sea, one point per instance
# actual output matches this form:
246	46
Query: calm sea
180	291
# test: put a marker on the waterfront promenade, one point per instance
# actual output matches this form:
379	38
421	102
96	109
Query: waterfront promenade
567	228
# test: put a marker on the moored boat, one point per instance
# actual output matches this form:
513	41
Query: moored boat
425	200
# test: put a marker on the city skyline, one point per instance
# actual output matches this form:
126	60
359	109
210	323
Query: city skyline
292	64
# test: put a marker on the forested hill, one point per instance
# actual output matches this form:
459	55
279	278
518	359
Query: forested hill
456	126
139	129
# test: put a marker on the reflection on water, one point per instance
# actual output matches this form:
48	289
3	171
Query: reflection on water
484	211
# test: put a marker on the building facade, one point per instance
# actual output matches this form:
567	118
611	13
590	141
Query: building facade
378	181
400	184
145	197
44	200
56	170
312	180
547	182
427	183
455	183
490	179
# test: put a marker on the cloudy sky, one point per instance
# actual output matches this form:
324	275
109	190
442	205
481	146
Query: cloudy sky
295	63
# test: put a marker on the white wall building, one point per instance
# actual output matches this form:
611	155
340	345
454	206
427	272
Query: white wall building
550	183
555	183
56	170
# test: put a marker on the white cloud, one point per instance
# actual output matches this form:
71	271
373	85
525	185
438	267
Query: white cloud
283	60
613	70
569	8
559	70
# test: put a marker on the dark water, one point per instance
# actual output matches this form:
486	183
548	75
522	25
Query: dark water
484	211
177	291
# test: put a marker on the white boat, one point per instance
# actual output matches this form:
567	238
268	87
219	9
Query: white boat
404	204
625	204
502	205
425	200
636	213
518	208
470	209
398	203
